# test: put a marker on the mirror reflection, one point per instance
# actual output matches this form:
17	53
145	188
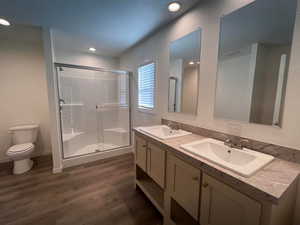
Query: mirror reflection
254	55
184	73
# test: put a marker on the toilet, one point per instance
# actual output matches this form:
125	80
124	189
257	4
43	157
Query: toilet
23	138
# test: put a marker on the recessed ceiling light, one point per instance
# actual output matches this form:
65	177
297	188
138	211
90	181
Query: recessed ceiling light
174	6
191	63
92	49
4	22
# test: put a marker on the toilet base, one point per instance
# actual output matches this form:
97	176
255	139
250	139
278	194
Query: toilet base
22	166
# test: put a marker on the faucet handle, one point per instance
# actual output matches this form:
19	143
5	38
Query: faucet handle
244	141
228	140
173	126
224	137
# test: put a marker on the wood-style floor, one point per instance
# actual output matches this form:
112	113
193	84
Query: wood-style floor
99	193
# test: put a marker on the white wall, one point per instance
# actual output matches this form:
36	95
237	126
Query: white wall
190	89
207	17
23	90
235	83
69	56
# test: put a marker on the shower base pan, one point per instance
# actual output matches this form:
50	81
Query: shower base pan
100	147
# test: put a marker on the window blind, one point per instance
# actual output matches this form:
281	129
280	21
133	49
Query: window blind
146	85
123	90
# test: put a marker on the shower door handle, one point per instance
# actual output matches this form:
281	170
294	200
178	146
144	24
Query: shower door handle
98	107
61	103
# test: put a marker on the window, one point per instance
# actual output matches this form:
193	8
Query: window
123	90
146	86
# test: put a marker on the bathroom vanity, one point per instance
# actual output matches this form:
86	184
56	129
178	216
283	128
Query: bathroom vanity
188	189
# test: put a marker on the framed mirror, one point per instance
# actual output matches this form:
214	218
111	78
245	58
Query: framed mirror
253	62
184	73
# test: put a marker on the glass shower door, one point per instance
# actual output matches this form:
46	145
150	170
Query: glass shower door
94	110
77	111
113	109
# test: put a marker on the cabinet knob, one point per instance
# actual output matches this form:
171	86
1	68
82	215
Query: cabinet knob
144	146
205	185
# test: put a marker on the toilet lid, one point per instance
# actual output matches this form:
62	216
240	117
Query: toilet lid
20	148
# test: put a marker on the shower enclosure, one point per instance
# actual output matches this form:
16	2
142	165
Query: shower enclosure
94	109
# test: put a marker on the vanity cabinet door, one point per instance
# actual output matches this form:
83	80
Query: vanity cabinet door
156	164
141	153
222	205
184	185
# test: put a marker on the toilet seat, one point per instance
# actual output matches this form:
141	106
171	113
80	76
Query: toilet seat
21	148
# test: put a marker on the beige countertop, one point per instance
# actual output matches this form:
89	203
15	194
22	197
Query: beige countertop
268	184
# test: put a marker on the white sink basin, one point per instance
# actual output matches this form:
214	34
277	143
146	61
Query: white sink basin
163	132
243	162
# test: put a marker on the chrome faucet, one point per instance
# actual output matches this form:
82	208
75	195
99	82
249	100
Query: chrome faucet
173	126
228	142
238	143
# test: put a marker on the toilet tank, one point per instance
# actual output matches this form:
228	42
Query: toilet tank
24	133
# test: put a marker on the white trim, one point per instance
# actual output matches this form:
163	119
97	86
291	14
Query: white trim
252	65
53	100
279	90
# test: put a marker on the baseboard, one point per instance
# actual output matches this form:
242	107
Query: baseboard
5	160
8	164
57	170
